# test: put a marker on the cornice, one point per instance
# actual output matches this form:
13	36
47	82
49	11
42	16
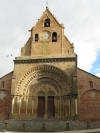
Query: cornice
44	60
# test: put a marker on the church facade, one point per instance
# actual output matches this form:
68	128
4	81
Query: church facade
46	83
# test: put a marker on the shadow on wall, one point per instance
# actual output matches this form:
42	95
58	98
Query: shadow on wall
5	104
89	105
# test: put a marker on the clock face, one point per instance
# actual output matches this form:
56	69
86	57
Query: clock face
46	35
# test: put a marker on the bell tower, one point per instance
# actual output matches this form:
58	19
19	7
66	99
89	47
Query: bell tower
47	38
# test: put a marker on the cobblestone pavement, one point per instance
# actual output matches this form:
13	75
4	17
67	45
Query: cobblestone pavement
77	131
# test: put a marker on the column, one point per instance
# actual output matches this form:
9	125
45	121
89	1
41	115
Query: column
65	107
60	108
35	106
56	107
23	107
76	112
73	107
20	100
46	103
32	106
13	101
69	107
26	105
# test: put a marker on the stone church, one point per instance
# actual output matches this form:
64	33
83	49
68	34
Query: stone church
46	82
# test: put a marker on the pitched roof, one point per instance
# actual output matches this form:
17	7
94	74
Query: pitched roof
6	75
88	73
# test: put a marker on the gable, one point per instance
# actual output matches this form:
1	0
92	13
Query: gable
47	15
47	39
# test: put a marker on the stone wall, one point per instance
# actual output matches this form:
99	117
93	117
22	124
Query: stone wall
5	81
88	99
89	96
5	96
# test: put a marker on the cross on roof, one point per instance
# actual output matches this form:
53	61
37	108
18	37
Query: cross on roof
46	3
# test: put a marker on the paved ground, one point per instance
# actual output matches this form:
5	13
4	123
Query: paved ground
81	131
49	126
85	131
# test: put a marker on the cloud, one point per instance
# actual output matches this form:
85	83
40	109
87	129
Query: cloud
84	31
86	55
98	69
81	20
7	65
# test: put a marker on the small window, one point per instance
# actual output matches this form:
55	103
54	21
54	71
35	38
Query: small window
91	84
54	37
36	37
47	22
3	84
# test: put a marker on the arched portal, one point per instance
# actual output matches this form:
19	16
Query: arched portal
41	91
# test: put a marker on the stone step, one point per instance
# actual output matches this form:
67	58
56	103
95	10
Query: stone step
45	125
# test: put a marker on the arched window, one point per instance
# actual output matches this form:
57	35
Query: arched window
54	37
47	22
36	37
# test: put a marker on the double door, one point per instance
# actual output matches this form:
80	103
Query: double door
46	106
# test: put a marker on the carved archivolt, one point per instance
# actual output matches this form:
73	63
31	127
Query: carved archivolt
42	74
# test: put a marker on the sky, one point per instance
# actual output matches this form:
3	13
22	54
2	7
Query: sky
81	19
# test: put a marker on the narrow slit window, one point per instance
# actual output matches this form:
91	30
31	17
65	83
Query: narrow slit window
3	84
54	37
91	84
36	37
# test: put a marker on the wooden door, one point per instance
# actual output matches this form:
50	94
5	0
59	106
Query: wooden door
41	106
51	109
